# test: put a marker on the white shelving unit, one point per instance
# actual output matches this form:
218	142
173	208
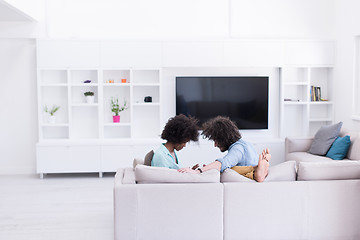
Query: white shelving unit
77	119
84	138
301	116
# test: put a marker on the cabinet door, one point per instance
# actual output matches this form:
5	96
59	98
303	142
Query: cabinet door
131	54
309	53
84	158
68	53
115	157
193	54
66	159
253	53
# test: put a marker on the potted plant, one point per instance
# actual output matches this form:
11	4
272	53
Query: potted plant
51	112
89	96
116	109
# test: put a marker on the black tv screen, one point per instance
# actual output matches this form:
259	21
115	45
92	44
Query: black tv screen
242	99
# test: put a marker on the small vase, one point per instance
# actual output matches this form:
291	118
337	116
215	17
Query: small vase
116	119
90	99
52	119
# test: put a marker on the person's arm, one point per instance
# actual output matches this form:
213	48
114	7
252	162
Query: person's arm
213	165
231	159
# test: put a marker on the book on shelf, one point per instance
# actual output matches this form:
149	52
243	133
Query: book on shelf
315	94
291	100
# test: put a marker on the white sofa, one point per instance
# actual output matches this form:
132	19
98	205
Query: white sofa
166	211
307	209
296	148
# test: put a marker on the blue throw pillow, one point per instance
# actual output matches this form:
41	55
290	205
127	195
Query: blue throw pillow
339	148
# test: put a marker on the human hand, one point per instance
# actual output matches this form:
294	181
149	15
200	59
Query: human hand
187	170
195	166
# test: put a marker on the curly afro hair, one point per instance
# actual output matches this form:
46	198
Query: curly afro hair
222	130
181	129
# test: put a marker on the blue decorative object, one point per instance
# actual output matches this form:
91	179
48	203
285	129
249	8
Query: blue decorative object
339	148
87	81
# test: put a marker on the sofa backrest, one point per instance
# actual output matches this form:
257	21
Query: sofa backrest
332	170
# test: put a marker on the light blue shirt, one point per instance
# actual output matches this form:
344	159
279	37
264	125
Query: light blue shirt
240	153
163	158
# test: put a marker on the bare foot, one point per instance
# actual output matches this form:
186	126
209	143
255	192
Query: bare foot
266	154
262	168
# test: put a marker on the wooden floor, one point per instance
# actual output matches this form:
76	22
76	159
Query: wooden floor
60	206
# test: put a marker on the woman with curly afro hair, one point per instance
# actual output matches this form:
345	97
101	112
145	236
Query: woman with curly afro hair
177	132
241	155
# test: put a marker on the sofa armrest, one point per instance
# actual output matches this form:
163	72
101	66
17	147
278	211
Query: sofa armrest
119	176
297	144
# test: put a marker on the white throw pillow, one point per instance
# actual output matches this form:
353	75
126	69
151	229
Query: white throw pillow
137	161
285	171
147	174
333	170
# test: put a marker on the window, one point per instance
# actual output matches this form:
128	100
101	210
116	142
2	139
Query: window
356	83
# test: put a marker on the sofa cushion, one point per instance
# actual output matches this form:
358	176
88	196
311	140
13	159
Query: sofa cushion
148	158
339	148
229	175
148	174
334	170
324	137
307	157
282	172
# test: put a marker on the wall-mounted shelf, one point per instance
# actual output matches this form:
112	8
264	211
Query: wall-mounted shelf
296	82
90	142
66	87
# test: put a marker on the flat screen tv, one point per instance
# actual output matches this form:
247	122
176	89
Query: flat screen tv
242	99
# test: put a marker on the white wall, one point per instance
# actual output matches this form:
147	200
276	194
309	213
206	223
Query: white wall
139	19
347	21
18	121
282	18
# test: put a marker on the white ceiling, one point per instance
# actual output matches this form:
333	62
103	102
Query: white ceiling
10	13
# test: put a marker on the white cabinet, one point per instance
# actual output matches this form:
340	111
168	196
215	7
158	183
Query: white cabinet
114	157
128	54
90	156
312	53
301	115
66	54
67	159
193	54
253	53
78	119
118	156
132	71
